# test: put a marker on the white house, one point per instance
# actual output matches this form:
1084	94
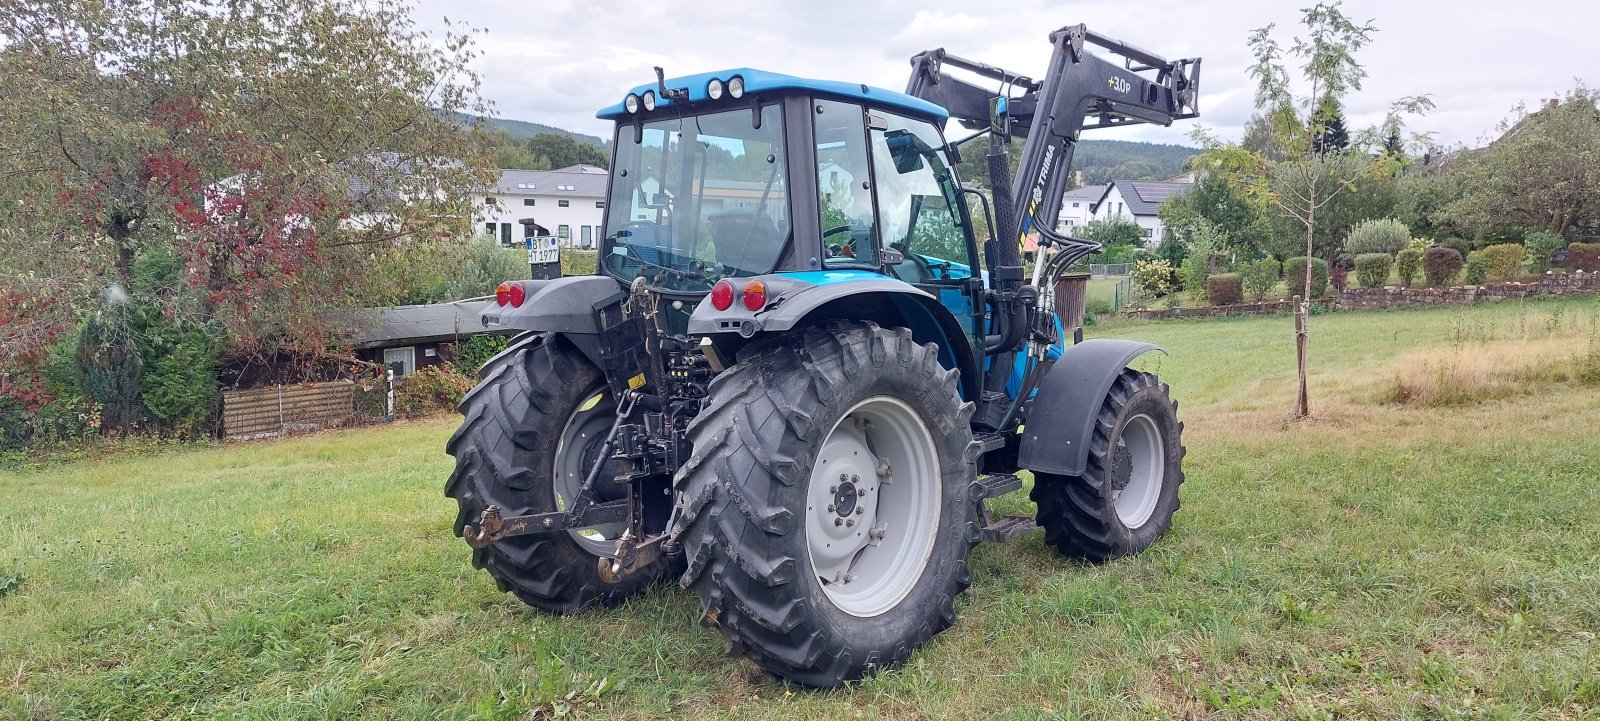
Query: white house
1076	208
568	203
1138	200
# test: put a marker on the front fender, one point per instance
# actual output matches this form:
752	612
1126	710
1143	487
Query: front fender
1060	422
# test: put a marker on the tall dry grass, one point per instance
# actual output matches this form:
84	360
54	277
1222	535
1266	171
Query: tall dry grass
1486	360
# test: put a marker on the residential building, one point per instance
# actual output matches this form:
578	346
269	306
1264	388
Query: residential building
1077	208
1137	200
568	203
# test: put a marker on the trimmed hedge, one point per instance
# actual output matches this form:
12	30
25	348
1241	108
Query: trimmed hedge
1294	274
1378	235
1372	269
1584	257
1407	262
1503	260
1225	289
1440	265
1477	268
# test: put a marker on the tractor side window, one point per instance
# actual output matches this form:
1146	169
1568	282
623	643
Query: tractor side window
917	199
844	189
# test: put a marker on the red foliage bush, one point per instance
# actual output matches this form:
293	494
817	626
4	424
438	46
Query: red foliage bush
1441	265
1584	257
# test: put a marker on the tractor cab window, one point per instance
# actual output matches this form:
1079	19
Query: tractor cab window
844	188
918	200
698	198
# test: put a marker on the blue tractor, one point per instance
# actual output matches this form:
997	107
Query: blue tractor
797	375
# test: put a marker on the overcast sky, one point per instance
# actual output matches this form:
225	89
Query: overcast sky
558	61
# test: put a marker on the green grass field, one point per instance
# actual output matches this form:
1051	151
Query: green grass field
1382	560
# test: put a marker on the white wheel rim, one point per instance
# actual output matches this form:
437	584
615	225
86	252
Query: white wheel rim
1136	502
593	416
872	506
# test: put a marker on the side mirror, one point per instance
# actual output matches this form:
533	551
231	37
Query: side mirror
906	149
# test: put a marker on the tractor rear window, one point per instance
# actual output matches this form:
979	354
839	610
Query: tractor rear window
697	199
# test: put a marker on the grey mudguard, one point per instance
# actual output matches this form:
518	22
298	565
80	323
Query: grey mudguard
790	300
887	301
1060	422
561	305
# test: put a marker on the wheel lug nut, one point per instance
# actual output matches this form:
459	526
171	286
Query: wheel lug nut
860	510
850	523
838	521
833	489
832	508
855	479
843	477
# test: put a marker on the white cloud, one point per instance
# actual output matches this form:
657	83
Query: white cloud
558	61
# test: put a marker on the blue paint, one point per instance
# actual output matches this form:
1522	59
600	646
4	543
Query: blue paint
760	81
829	277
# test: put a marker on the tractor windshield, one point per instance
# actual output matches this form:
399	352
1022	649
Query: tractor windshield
698	198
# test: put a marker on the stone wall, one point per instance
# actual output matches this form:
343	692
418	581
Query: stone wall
1394	297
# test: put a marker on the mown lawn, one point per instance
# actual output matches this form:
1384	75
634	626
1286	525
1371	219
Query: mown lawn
1379	561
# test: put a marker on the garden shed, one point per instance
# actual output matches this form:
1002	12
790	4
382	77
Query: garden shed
409	337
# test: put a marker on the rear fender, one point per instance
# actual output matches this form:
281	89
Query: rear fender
565	306
800	299
1060	422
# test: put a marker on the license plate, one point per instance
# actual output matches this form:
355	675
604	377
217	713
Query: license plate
543	250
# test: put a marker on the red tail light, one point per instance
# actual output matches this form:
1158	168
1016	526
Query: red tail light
722	295
511	293
755	295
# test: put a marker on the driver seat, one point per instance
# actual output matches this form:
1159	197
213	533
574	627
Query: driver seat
746	240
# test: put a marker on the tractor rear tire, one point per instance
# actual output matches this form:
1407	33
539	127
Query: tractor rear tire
815	460
507	452
1128	493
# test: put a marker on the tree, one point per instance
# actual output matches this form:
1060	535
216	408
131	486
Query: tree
1543	172
262	144
1114	231
559	150
1332	138
1239	221
1304	183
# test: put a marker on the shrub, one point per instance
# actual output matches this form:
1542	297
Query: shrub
1225	289
1294	273
1195	270
1539	246
1440	265
1379	235
477	350
1339	276
1259	277
1477	268
1152	278
1503	260
1372	269
1116	253
1461	245
431	389
1407	261
1584	257
179	387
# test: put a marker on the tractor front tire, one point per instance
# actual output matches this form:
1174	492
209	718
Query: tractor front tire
827	510
1125	498
530	430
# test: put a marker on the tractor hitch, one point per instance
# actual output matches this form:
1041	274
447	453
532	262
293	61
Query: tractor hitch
491	527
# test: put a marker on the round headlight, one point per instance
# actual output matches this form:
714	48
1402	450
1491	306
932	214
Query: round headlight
631	103
714	89
736	86
649	100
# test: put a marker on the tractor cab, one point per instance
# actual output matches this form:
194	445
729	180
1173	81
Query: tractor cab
744	173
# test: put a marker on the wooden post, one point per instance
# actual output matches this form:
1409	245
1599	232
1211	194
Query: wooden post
1302	406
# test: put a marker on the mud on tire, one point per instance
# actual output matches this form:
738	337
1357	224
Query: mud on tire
743	500
505	455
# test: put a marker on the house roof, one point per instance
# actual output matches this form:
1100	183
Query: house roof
1143	197
410	324
1090	193
567	181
